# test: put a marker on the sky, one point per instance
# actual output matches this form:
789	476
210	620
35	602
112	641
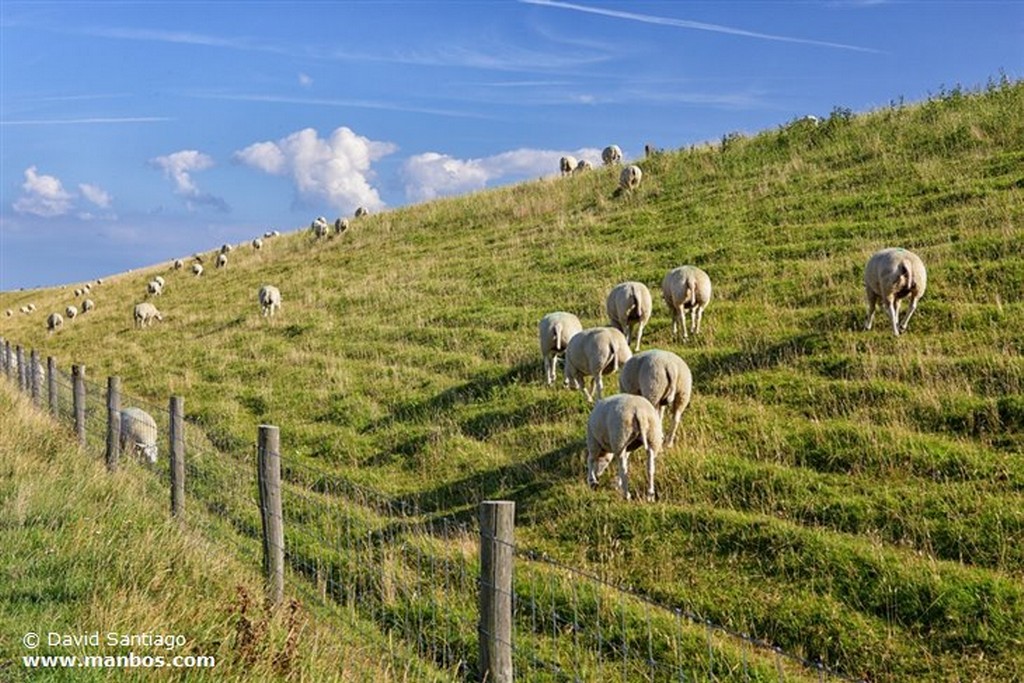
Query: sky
135	132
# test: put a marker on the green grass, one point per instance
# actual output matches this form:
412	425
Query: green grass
846	495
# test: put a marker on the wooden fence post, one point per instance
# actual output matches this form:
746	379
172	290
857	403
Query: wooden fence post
34	367
269	474
177	441
113	422
51	384
497	538
5	351
21	368
78	401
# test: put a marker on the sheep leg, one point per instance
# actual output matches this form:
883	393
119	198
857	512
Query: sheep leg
872	301
698	315
596	467
622	460
549	375
894	316
639	333
598	392
910	312
677	417
650	474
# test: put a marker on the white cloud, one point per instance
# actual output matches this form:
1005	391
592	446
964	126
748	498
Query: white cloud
305	80
179	167
95	194
336	170
432	174
44	195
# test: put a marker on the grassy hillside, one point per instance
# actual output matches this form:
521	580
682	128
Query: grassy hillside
847	495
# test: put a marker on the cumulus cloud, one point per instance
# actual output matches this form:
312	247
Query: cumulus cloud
432	174
44	195
179	168
335	170
95	194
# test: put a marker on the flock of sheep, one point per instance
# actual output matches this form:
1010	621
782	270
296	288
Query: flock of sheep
653	380
629	178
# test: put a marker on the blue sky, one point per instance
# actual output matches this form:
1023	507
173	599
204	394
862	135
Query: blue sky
135	132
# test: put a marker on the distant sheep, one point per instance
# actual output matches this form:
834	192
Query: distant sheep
54	322
145	313
890	276
555	331
159	280
686	288
567	165
362	211
8	313
629	304
630	178
71	312
31	308
197	269
582	165
664	379
87	306
611	155
178	264
650	150
270	299
86	289
78	292
24	309
594	352
225	248
617	426
319	227
257	244
341	226
198	258
138	434
154	288
222	260
99	281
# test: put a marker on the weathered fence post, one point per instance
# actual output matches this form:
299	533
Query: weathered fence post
497	525
78	401
269	474
51	384
21	368
113	422
33	366
177	441
5	351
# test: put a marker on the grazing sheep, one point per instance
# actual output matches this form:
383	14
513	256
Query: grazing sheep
54	322
145	313
892	275
627	304
257	244
594	352
8	313
341	226
270	299
319	227
24	309
71	312
31	308
138	434
617	426
87	306
159	280
566	165
362	211
222	260
555	330
611	155
99	281
198	258
686	288
664	379
197	269
225	248
85	290
78	292
630	178
178	264
582	166
650	150
154	288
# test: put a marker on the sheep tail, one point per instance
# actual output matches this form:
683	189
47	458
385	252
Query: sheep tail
908	269
640	428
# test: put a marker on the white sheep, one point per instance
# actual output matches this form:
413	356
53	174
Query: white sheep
567	165
225	248
85	290
686	288
145	313
555	331
257	244
197	269
8	313
24	309
594	352
87	306
664	379
341	226
582	166
269	298
198	257
892	275
629	304
99	281
160	281
362	211
71	312
178	264
319	227
617	426
138	433
78	292
154	288
611	155
222	260
31	308
54	322
630	178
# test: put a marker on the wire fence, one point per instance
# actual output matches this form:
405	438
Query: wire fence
415	574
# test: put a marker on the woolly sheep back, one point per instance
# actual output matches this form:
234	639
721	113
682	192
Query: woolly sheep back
890	276
554	332
593	353
664	379
617	426
686	288
138	433
629	304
